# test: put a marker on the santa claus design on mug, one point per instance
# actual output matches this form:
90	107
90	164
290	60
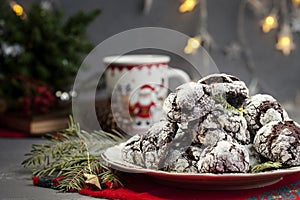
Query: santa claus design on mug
142	109
137	86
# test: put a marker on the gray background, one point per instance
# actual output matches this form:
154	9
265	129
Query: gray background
278	74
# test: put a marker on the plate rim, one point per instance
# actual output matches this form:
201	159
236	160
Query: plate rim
129	167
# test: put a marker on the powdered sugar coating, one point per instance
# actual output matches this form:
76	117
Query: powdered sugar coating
170	110
279	141
231	88
221	124
224	157
254	156
150	150
188	103
132	152
261	109
186	161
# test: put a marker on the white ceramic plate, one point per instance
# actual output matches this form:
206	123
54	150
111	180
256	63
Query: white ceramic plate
202	181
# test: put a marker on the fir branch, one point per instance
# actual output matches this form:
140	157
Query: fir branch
74	174
70	141
108	176
70	154
266	166
43	154
221	100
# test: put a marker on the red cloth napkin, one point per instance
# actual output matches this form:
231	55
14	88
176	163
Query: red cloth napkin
141	187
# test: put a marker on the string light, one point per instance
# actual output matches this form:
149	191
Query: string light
285	44
268	23
187	5
202	38
279	13
285	40
296	2
18	9
192	45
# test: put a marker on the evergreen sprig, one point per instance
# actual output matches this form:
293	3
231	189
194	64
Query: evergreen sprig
72	153
220	99
266	166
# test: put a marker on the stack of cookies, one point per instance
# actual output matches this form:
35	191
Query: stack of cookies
213	126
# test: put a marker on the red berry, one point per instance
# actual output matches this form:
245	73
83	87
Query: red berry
41	89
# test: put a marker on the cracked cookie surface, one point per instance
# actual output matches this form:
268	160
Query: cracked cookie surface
231	88
261	109
188	103
150	150
224	157
279	141
221	124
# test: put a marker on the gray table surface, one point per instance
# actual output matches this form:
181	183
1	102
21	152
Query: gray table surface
15	181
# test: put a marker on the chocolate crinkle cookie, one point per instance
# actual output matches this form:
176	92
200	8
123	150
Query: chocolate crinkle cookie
229	87
184	162
224	157
254	157
221	124
261	109
149	150
280	142
187	103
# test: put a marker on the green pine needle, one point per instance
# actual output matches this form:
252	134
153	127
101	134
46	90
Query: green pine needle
228	106
70	154
266	166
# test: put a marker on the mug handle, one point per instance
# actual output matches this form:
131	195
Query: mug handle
179	74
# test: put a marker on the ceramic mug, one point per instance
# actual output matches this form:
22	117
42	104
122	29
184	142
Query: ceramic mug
138	85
